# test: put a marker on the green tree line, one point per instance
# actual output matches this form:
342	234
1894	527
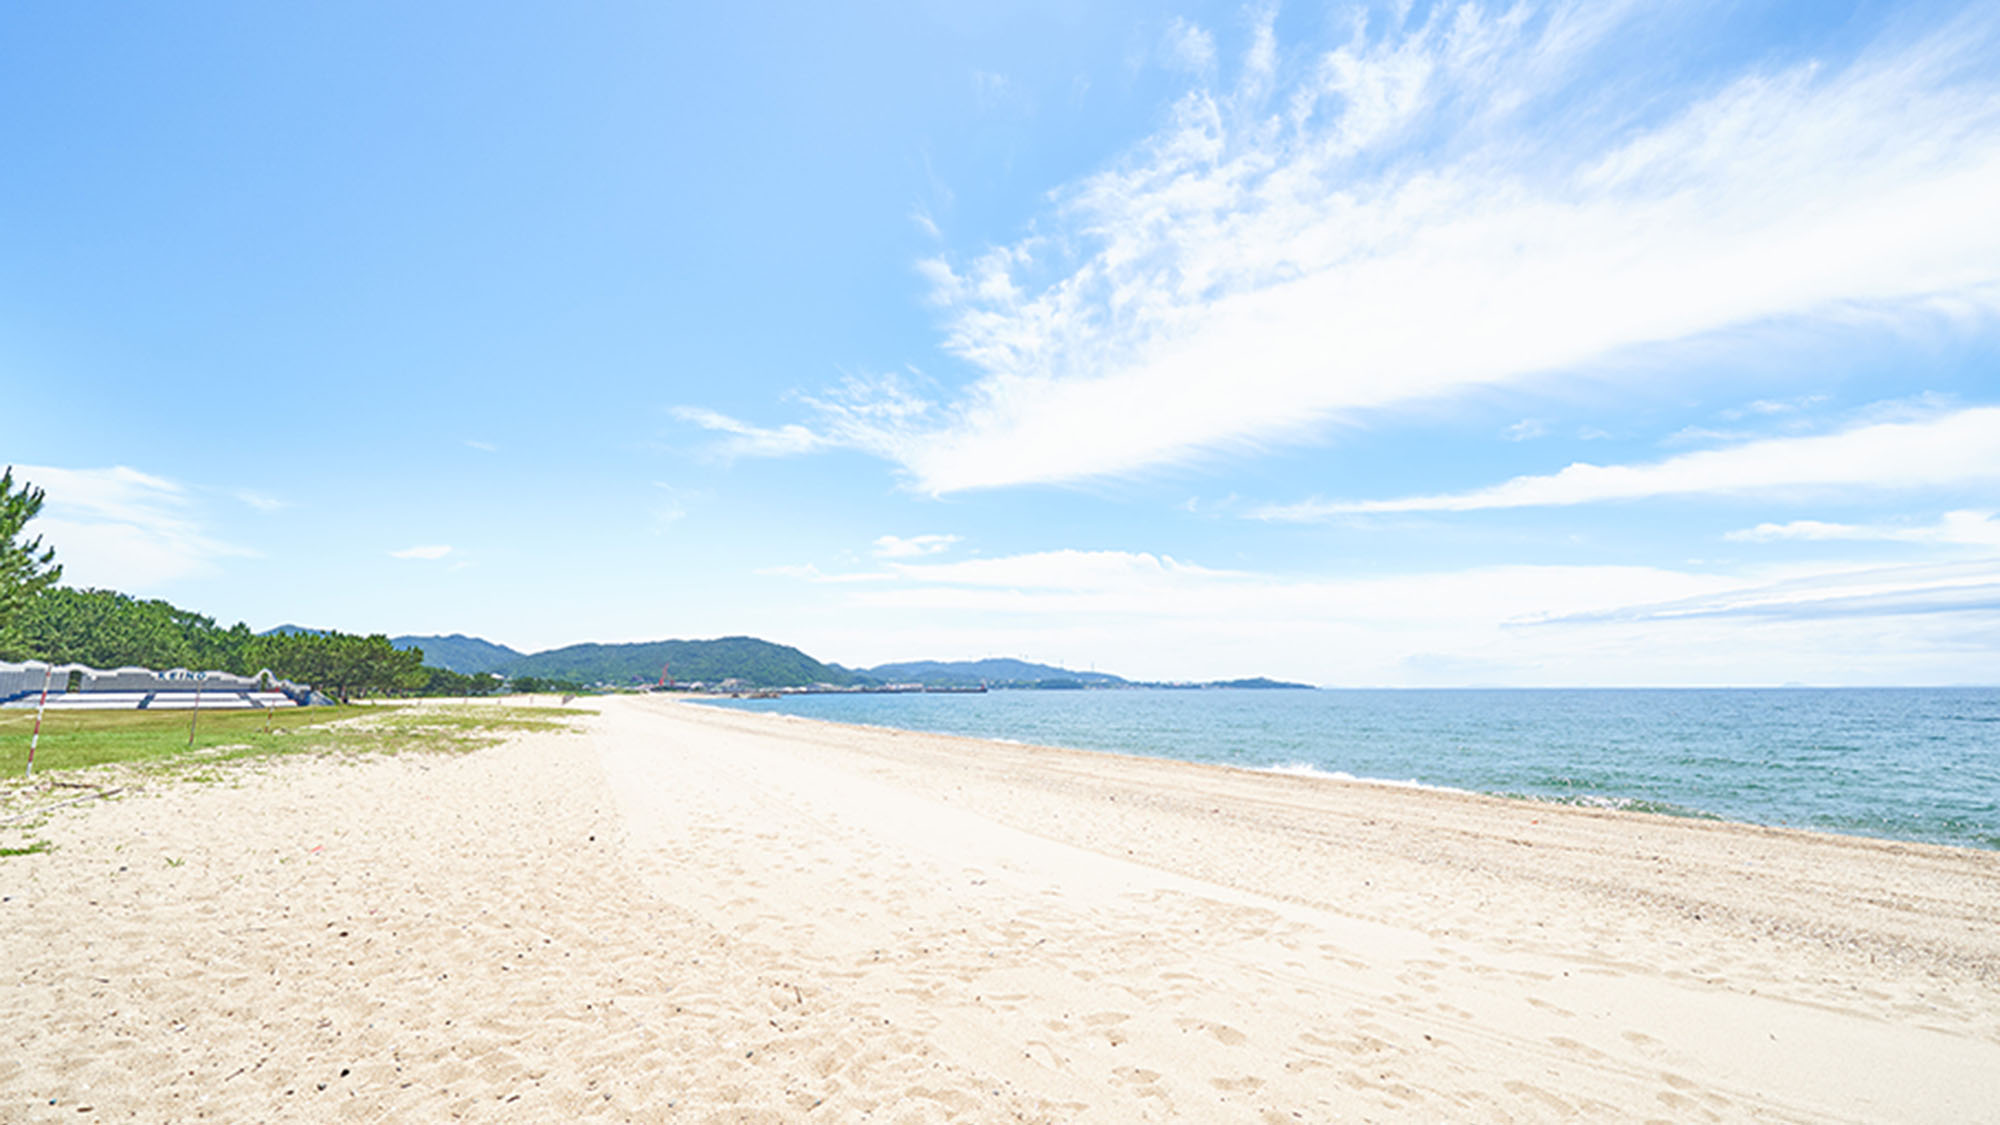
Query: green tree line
107	629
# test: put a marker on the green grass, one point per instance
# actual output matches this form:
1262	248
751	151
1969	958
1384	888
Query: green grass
35	847
74	740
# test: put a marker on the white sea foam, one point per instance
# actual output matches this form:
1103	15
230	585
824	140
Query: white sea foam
1307	769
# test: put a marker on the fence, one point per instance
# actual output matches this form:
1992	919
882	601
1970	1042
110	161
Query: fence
144	689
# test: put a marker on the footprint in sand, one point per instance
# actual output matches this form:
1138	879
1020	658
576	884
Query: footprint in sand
1243	1085
1045	1054
1224	1034
1547	1099
1106	1024
1545	1006
1564	1043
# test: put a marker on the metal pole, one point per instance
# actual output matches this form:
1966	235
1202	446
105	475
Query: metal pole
195	715
35	739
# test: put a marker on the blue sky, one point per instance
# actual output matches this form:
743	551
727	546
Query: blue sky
1404	344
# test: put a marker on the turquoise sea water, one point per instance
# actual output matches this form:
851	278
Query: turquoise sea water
1904	763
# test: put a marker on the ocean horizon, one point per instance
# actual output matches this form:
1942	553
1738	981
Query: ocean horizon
1917	764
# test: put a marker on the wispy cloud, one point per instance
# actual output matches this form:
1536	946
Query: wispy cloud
993	91
482	446
1397	221
806	571
1766	407
1955	448
1072	571
1153	615
1527	429
1143	584
1931	588
434	551
896	547
746	440
122	528
261	501
1959	528
1190	47
671	503
810	573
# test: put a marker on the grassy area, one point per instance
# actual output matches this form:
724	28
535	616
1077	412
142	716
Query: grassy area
80	739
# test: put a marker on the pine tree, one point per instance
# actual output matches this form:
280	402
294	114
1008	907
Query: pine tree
26	567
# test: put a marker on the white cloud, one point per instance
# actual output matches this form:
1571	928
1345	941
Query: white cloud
807	571
482	446
746	440
1928	588
1403	223
261	501
1527	429
1152	616
1144	584
436	551
1765	406
1705	435
672	502
121	528
1067	570
896	547
811	573
992	91
1955	448
1960	528
1189	47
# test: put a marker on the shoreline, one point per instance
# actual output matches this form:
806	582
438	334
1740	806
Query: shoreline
1523	804
1677	917
705	913
1309	772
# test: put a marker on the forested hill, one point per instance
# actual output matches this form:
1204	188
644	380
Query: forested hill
468	656
993	672
756	663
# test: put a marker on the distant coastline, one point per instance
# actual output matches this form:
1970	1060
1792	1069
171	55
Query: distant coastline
744	663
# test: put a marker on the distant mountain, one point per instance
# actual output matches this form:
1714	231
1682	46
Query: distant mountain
468	656
1261	683
1001	673
754	662
996	672
292	631
757	663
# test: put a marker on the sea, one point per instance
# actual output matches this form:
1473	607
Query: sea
1899	763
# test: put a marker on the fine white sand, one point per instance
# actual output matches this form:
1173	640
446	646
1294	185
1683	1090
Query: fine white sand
686	913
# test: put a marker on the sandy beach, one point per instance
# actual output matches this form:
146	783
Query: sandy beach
686	913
